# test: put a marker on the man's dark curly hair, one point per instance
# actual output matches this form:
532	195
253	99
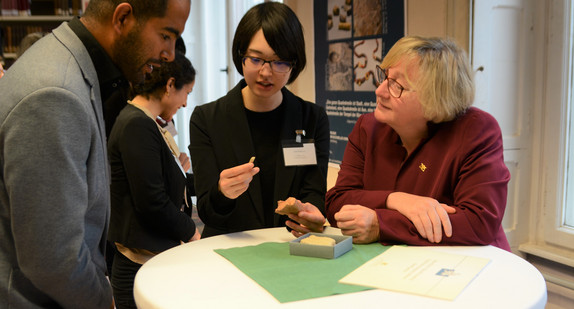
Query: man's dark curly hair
143	9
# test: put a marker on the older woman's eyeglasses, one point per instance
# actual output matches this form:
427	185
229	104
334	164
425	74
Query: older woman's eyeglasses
278	66
395	89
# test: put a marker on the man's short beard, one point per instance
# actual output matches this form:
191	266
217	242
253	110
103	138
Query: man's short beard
127	55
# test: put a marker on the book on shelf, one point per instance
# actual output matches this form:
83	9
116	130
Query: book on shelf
68	7
23	7
8	40
43	7
13	35
15	7
2	45
9	7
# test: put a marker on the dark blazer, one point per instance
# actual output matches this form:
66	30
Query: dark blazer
220	139
147	186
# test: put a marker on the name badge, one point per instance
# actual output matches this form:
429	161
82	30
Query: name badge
299	153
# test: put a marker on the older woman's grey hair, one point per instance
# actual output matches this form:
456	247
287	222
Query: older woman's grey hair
445	83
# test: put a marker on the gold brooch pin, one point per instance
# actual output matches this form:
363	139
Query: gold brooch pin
422	167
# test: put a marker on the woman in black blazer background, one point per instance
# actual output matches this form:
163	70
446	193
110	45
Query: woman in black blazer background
148	176
261	118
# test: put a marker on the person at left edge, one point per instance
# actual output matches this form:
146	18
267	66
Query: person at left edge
54	185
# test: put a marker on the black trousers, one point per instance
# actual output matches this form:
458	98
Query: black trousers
122	280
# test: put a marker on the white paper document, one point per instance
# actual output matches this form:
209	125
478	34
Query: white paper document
418	270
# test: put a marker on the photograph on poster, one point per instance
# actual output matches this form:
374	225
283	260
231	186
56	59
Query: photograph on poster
339	19
351	39
368	19
340	67
367	56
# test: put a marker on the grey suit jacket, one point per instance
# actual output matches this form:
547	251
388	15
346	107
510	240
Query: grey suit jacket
54	181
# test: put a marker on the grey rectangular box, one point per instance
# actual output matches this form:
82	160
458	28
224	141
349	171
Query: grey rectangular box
342	245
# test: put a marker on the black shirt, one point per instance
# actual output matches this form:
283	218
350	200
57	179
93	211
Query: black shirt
113	85
265	128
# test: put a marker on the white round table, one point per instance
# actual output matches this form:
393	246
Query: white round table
194	276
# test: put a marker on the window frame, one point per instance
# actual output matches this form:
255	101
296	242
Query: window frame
556	100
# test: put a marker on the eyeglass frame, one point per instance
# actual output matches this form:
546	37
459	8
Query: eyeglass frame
291	63
380	80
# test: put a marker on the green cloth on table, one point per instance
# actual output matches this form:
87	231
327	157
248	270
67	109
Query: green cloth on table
290	277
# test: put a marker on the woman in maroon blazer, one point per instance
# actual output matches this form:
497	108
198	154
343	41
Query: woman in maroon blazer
425	168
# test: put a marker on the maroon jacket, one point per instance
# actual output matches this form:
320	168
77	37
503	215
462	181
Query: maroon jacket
460	164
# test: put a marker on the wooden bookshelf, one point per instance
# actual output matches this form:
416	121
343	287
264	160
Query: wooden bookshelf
35	19
19	18
14	28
